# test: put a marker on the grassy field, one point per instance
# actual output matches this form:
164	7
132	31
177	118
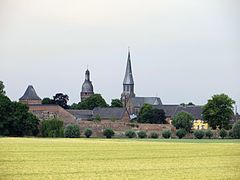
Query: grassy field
29	158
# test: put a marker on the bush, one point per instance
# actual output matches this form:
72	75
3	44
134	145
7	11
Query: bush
209	133
108	133
230	133
72	131
181	133
142	134
154	135
130	134
166	134
183	120
52	128
223	133
199	134
88	132
236	130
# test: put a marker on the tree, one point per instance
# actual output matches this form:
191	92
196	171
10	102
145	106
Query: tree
236	130
199	134
61	100
96	100
218	111
223	133
130	134
88	132
52	128
47	100
2	92
142	134
181	133
154	135
166	134
183	120
116	103
108	133
209	133
148	114
72	131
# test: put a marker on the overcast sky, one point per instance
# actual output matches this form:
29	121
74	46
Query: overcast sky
181	51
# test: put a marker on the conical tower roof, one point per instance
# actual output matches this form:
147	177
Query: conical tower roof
30	94
128	79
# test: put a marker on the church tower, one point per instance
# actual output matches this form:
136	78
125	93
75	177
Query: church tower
87	87
128	83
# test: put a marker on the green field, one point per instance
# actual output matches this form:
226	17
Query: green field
29	158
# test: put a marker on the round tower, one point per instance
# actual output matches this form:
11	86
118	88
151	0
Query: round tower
87	87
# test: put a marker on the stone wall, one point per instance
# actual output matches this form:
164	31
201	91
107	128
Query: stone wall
44	112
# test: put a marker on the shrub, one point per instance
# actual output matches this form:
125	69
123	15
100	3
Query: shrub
166	134
236	130
72	131
199	134
230	133
154	135
108	133
88	132
223	133
181	133
142	134
130	134
209	133
183	120
52	128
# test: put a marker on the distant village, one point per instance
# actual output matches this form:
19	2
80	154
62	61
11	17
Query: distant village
131	107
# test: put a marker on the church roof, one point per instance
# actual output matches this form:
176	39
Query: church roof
128	79
30	94
109	113
87	85
140	101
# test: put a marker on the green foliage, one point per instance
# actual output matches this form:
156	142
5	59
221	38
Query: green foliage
181	133
2	92
72	131
142	134
52	128
88	132
47	100
151	115
97	118
199	134
183	120
230	133
223	133
236	130
108	133
130	134
154	135
61	100
16	120
209	133
116	103
218	111
166	134
96	100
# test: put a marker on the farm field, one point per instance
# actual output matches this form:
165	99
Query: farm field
38	158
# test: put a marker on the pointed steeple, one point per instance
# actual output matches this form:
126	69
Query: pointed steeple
30	97
128	79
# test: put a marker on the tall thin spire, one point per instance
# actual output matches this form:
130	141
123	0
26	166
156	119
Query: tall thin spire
128	79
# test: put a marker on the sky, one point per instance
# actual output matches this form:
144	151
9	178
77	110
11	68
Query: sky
182	51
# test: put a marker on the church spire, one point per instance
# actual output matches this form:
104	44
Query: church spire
128	79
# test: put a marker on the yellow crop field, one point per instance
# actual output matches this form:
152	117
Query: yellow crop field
38	158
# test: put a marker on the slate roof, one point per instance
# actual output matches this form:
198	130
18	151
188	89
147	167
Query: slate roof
172	110
30	94
140	101
81	114
109	113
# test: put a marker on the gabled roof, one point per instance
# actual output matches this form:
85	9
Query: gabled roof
81	114
140	101
128	79
168	109
109	113
30	94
